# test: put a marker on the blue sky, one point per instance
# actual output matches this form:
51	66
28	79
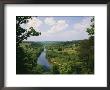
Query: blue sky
59	28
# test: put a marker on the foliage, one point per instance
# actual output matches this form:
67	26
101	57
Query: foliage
73	56
87	50
66	57
25	57
39	69
21	33
90	30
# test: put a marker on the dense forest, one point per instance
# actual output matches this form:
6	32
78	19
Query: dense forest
65	57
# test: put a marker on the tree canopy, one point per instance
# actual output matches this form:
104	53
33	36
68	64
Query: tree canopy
22	33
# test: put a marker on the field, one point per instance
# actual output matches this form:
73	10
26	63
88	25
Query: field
66	57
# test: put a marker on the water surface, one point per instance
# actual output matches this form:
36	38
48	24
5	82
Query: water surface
42	60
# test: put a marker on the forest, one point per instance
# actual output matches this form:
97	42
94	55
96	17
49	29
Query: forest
64	57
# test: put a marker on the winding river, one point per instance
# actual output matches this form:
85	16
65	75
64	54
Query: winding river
42	60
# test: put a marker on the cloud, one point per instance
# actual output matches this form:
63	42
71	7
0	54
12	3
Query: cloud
50	21
34	22
63	36
82	25
62	31
69	35
58	27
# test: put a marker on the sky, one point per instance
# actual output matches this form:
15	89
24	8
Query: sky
59	28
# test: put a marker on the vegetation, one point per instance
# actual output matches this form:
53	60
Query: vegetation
75	57
71	57
66	57
25	54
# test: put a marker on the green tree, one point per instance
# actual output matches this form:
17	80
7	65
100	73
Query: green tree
21	65
90	30
86	50
22	33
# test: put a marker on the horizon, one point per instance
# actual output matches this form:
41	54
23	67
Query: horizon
55	41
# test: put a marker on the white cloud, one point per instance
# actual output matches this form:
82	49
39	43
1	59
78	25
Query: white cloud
58	27
70	35
34	22
58	32
63	36
82	25
50	21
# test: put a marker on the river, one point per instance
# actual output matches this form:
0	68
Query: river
42	60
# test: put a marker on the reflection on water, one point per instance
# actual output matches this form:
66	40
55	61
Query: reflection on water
42	60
